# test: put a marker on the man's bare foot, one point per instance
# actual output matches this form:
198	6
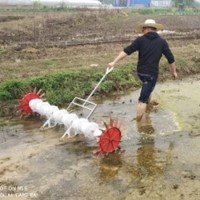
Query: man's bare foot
152	105
138	118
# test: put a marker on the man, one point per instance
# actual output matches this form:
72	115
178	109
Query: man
150	47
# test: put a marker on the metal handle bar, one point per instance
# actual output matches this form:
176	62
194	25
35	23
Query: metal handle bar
108	70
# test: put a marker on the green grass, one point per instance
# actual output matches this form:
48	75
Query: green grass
3	51
61	87
133	10
51	62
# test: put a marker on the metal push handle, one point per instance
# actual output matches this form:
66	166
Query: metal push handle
108	70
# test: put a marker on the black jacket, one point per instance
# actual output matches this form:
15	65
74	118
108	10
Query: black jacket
150	48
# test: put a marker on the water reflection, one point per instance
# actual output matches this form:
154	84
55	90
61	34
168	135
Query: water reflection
145	125
110	166
147	164
31	123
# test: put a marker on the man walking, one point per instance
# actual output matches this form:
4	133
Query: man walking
150	47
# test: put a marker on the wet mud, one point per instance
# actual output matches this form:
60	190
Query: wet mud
160	157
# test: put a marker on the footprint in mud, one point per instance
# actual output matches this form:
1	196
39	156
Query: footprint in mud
3	160
29	141
32	155
3	171
9	169
8	166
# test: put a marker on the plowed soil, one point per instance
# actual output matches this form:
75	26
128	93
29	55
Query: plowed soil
39	43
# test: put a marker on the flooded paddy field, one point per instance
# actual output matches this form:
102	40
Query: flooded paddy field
160	157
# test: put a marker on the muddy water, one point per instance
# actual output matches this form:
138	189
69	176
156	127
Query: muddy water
160	159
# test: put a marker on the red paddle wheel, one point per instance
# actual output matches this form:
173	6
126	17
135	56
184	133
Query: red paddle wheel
24	107
109	139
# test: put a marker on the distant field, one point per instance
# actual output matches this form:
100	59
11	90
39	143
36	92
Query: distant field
43	42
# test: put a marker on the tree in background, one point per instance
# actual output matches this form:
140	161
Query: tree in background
181	4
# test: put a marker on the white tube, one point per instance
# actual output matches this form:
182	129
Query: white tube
97	133
77	125
64	119
69	120
90	130
58	115
33	103
39	107
51	110
44	108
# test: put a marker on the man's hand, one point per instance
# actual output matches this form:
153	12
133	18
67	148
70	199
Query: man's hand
121	56
111	64
173	70
174	75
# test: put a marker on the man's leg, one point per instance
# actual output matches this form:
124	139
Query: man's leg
141	108
149	106
148	84
145	125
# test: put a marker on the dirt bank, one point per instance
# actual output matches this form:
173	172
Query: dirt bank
38	43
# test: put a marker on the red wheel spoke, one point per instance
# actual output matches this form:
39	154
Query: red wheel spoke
109	140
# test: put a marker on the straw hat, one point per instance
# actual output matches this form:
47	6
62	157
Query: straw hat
150	23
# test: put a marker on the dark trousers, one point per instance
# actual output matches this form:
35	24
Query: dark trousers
148	84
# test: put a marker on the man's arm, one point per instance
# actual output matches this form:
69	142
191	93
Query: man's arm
173	70
121	56
170	57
